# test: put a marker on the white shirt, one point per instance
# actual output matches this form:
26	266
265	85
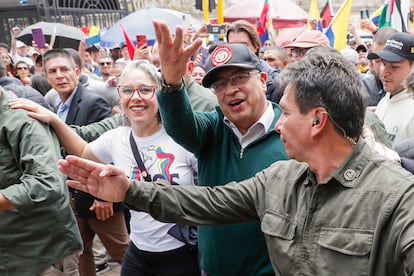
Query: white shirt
397	114
164	159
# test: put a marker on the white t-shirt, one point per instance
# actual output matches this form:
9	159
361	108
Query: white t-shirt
164	159
397	114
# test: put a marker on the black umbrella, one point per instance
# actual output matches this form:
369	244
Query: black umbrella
65	36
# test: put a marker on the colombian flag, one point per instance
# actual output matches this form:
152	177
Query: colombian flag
337	31
314	15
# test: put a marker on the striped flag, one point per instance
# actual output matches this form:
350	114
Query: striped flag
337	31
326	14
395	14
314	15
262	24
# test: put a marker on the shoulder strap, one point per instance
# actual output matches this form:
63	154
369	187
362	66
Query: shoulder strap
138	159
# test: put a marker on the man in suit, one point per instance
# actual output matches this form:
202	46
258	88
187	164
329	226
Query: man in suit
78	107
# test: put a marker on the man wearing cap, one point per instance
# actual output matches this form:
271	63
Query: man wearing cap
232	143
396	109
373	88
306	40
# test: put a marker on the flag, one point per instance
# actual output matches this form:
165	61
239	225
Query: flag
262	24
326	14
129	44
395	14
314	15
94	36
376	15
337	31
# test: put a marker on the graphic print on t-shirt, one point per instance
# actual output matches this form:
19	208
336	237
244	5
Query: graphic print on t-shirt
157	162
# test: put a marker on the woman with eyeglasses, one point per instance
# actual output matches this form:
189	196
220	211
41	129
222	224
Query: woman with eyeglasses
156	248
22	72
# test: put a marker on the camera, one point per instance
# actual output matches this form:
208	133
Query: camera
216	29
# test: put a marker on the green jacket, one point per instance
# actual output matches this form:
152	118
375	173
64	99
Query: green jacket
42	228
359	221
238	249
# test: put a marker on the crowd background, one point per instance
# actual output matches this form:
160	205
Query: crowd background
97	69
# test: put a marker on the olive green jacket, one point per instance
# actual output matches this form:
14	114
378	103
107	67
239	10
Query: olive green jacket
42	228
359	221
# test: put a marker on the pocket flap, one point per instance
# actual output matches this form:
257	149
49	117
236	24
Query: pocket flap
278	225
354	242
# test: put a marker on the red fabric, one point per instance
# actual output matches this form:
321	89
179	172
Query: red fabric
129	44
326	15
261	28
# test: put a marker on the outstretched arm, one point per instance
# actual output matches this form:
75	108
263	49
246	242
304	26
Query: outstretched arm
103	181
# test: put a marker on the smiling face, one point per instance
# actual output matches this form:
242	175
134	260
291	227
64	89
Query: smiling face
245	104
142	113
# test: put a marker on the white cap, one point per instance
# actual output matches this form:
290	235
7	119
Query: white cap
20	44
351	55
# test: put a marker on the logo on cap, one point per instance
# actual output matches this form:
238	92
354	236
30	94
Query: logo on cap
221	55
391	43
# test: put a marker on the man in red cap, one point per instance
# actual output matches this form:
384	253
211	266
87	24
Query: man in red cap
306	40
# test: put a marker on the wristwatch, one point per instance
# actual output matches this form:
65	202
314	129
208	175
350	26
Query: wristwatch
171	87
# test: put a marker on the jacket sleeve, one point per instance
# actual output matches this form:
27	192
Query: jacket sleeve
93	131
190	129
29	168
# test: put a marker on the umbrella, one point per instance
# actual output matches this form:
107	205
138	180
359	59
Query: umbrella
140	22
284	14
66	36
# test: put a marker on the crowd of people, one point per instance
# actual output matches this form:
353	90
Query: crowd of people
232	158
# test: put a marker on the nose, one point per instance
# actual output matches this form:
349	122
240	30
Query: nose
279	124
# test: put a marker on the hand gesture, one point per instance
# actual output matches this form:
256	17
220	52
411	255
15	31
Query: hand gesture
106	182
173	55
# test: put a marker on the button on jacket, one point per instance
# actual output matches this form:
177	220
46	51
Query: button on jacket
359	221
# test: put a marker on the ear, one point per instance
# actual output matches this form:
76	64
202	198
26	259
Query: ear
318	119
263	78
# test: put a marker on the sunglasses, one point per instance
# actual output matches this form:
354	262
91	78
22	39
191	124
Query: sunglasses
22	68
105	63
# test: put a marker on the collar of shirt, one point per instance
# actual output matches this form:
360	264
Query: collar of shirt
403	95
257	130
63	108
349	172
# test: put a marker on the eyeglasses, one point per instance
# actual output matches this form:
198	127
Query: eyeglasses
105	63
297	52
144	91
237	80
22	68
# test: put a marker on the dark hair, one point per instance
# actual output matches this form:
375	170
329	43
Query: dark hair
240	26
75	55
56	53
16	65
328	80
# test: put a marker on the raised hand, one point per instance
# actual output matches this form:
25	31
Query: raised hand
174	55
